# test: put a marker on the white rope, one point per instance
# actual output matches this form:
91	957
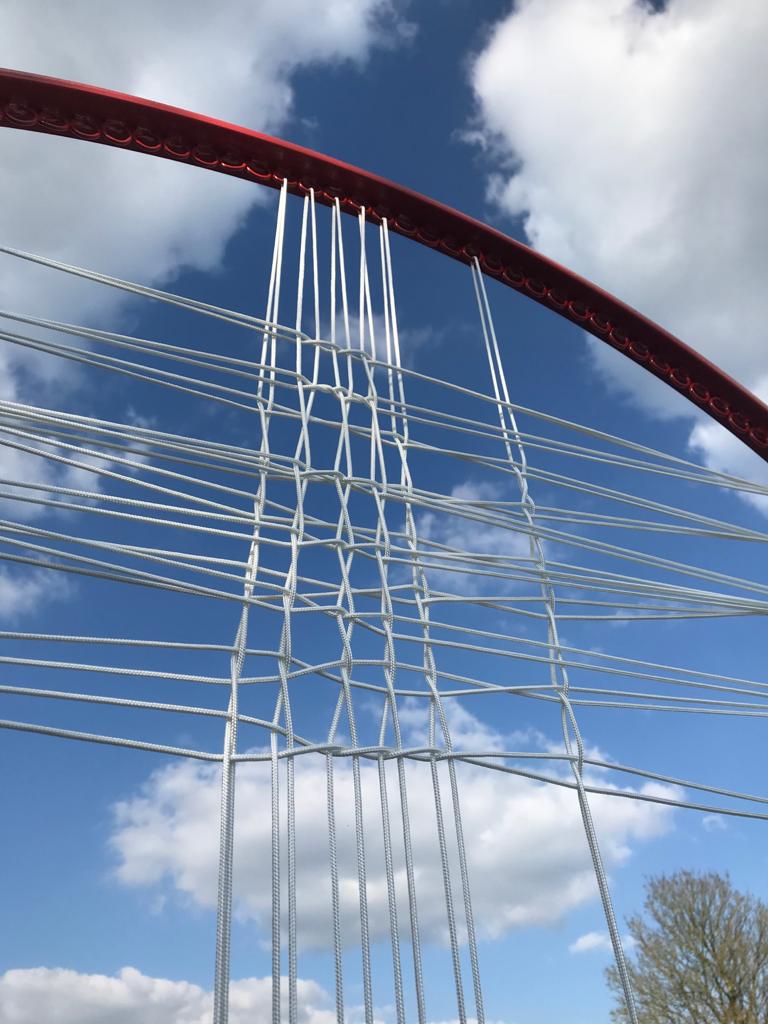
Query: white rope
422	596
558	671
346	600
411	589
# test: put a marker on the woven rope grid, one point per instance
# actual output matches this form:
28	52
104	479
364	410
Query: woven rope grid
325	519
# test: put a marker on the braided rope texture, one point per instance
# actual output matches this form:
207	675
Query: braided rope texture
359	598
33	103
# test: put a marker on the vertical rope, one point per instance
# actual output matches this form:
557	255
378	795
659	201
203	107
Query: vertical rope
329	761
378	469
268	358
334	868
227	812
422	598
558	671
346	626
285	657
226	835
363	399
400	436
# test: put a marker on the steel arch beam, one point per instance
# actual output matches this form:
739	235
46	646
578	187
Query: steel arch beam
55	107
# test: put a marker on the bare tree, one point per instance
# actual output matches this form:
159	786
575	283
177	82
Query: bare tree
700	954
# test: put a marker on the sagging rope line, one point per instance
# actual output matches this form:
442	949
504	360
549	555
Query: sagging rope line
256	324
558	671
375	425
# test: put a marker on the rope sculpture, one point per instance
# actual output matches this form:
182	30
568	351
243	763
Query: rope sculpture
363	575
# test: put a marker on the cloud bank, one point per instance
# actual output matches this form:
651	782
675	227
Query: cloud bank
60	996
528	859
632	143
141	218
120	212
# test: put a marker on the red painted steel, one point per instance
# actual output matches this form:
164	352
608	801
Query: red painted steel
55	107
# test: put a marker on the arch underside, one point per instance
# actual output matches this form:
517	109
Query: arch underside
51	106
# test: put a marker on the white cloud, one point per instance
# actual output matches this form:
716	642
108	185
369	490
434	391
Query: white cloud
528	858
23	593
633	144
590	941
59	996
120	212
470	1020
721	451
146	218
467	535
467	731
714	823
18	466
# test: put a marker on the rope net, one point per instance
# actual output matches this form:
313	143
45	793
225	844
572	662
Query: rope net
360	602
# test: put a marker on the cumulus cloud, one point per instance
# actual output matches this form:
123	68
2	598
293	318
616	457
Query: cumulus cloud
590	941
528	859
68	997
465	535
468	732
121	212
21	593
662	197
470	1020
59	996
714	823
721	451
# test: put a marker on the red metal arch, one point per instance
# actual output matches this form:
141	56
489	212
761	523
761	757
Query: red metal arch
55	107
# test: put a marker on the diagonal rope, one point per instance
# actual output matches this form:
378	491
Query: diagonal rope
407	591
558	672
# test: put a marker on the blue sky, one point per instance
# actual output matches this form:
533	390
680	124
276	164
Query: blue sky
573	126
